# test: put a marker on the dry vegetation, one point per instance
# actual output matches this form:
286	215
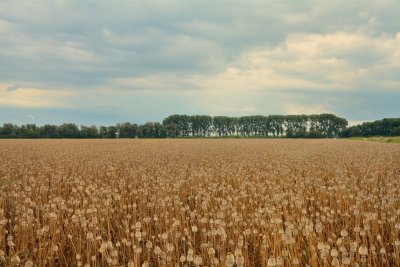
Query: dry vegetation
199	203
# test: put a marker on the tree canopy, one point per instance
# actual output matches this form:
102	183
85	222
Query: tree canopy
173	126
384	127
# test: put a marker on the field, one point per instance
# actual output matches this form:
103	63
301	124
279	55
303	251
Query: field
233	202
392	139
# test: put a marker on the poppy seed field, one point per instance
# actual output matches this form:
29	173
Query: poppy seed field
199	202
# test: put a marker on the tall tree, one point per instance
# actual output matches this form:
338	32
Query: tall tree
68	130
127	130
49	131
9	130
89	132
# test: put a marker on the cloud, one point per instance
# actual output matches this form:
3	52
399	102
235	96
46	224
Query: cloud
304	109
327	66
316	61
106	42
27	97
219	57
337	61
164	82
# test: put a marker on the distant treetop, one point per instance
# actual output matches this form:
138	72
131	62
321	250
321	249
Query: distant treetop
184	126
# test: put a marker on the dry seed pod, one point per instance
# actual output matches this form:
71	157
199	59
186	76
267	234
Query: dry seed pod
230	260
271	261
363	250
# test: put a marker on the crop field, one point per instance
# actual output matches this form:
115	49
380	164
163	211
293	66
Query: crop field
236	202
391	139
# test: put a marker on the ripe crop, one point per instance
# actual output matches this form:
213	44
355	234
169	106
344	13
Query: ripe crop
199	203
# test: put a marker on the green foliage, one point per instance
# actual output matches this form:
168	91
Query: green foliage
126	130
89	132
385	127
290	126
152	130
69	130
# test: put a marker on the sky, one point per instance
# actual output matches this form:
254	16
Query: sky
103	62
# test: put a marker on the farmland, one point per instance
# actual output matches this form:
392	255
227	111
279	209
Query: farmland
391	139
232	202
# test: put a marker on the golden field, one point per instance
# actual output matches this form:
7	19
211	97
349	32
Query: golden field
236	202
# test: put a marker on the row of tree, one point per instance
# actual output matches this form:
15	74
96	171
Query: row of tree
385	127
71	130
313	126
322	125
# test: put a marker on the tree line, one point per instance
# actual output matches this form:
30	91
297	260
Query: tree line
175	126
322	125
384	127
72	130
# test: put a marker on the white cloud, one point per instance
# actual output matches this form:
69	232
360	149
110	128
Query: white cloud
27	97
314	61
294	108
117	39
303	61
165	82
296	18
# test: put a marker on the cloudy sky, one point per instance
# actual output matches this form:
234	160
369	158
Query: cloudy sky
102	62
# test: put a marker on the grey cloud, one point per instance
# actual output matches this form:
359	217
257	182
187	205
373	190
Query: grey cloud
223	28
12	88
84	45
354	105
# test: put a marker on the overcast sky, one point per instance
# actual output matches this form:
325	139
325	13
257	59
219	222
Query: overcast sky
102	62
